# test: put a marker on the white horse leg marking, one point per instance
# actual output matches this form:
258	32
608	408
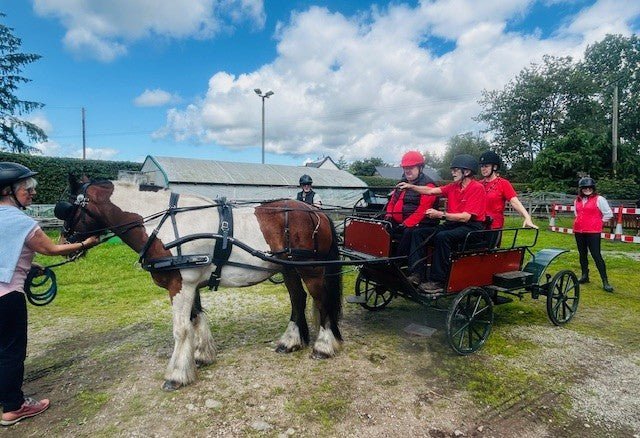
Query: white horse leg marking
326	344
182	367
205	352
290	339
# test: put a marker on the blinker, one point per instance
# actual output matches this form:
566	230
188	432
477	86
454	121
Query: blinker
64	210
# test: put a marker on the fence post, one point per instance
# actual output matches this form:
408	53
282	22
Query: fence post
618	232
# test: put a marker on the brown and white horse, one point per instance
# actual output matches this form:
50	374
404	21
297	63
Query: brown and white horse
272	228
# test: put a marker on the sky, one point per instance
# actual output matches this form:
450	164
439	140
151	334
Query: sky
351	79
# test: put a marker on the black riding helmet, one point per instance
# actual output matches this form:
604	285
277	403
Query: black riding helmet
490	157
587	181
305	179
11	173
465	161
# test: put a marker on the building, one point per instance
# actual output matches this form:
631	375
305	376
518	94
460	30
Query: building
396	172
324	163
248	181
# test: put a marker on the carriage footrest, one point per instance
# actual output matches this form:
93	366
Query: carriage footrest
512	279
356	299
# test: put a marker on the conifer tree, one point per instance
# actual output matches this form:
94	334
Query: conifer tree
14	129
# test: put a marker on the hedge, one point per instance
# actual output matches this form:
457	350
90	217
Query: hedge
54	172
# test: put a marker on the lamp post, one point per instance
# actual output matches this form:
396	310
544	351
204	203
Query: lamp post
263	97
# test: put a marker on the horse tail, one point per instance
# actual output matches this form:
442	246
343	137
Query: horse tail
333	283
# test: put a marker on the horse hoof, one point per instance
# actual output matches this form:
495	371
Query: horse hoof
202	363
284	349
170	385
320	355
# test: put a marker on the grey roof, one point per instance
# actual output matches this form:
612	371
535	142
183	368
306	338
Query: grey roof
320	162
190	170
396	172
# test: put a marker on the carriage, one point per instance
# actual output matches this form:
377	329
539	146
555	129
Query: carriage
483	274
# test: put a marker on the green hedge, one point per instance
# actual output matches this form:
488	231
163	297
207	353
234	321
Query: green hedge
54	172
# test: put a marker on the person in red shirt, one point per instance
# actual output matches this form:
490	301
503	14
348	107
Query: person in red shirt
406	209
499	191
592	211
465	213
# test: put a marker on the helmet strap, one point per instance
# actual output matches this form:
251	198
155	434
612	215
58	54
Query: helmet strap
15	198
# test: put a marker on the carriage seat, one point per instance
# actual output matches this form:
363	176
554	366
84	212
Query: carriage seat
482	240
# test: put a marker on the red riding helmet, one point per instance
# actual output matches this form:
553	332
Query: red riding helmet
412	158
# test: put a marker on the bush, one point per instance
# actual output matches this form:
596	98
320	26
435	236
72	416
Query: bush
54	172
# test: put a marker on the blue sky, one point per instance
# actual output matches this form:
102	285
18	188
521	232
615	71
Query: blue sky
351	79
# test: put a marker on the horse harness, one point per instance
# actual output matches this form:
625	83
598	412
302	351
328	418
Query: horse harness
222	248
223	245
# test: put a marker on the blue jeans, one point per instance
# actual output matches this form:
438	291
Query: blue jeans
13	349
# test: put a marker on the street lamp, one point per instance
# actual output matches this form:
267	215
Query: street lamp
263	97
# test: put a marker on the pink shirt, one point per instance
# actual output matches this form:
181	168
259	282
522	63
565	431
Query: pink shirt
22	268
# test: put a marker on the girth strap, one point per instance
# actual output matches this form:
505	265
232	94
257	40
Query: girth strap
223	247
173	204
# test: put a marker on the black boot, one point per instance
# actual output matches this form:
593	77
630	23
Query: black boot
584	278
606	286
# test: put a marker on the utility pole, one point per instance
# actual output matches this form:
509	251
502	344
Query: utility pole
614	131
84	139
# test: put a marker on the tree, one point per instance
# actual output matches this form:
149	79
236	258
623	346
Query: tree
543	101
467	143
12	108
616	60
366	167
342	163
580	152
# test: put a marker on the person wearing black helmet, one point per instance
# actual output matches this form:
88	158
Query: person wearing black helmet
591	211
20	240
499	191
406	208
465	213
307	195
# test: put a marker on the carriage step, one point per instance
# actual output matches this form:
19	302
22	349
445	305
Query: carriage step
512	279
356	299
501	300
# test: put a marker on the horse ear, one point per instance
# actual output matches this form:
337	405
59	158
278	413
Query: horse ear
74	184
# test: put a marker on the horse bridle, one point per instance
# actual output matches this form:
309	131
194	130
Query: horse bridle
76	213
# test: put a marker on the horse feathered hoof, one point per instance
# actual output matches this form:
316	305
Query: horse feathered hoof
202	363
171	385
281	348
320	355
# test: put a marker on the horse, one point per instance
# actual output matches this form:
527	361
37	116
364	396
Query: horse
285	236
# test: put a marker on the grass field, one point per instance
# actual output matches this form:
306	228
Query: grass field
99	351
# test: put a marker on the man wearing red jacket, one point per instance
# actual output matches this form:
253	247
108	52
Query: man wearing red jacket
406	209
466	205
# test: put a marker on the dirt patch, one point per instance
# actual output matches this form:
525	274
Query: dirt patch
383	383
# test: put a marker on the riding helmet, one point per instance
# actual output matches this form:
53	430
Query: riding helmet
11	173
465	161
305	179
490	157
412	158
587	181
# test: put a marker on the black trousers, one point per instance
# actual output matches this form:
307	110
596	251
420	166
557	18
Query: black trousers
590	242
13	349
404	236
447	237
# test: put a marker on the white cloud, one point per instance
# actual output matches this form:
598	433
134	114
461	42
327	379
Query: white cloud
370	85
156	97
103	29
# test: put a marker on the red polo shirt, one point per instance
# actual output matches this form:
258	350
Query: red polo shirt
471	199
498	192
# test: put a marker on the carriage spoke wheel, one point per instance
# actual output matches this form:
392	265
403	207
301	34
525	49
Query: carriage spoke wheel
376	295
562	297
277	278
469	320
